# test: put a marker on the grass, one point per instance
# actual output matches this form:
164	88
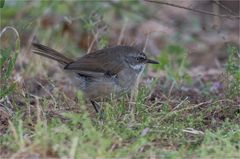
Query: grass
168	122
155	130
176	126
176	116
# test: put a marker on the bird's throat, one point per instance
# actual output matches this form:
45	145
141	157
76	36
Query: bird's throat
138	68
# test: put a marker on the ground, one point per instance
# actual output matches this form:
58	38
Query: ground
188	106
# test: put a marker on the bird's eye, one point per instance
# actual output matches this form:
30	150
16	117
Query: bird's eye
140	58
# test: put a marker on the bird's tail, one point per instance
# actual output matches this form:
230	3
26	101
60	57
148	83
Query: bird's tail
50	53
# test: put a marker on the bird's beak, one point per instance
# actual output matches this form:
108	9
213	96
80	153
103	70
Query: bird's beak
152	61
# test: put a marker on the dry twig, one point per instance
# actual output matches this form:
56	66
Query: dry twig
195	10
224	7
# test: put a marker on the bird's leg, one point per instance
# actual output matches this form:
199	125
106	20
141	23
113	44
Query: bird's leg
98	110
96	106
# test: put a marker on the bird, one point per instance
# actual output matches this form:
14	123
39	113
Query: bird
107	72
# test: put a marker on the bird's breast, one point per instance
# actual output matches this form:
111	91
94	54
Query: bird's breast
127	79
102	86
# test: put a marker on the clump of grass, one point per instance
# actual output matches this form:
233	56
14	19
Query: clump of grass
7	61
233	72
173	59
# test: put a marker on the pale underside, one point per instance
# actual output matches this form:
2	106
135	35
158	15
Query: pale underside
100	86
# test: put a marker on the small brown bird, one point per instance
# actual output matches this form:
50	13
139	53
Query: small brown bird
110	71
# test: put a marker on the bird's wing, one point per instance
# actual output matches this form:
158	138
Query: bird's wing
97	62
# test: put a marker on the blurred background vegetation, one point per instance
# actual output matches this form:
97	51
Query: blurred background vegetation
187	106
